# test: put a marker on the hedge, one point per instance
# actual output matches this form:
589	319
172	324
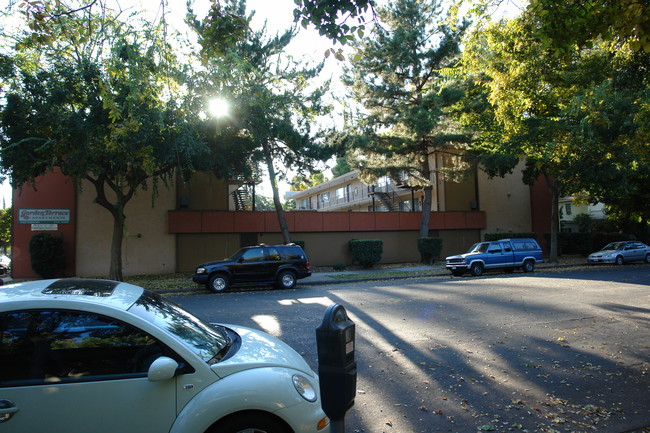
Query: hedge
366	252
429	249
47	255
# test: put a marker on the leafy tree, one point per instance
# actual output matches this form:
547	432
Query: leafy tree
301	183
95	101
6	219
568	115
273	102
560	25
399	83
342	167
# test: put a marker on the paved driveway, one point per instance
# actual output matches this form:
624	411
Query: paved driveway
549	352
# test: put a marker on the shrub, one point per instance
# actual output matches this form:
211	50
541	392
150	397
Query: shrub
339	266
366	252
47	255
429	249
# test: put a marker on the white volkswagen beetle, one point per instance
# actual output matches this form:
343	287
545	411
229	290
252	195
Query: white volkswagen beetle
82	355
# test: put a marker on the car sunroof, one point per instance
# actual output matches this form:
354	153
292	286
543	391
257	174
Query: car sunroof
81	286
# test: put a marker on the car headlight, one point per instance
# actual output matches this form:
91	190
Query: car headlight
201	270
304	388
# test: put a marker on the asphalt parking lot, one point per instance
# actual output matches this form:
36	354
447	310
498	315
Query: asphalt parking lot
556	351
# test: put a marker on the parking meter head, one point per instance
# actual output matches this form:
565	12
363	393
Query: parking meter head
335	338
337	370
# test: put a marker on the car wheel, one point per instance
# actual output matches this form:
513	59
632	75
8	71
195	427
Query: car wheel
457	273
528	266
619	260
255	423
476	269
218	283
647	258
286	280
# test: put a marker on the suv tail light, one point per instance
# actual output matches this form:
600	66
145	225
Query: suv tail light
307	264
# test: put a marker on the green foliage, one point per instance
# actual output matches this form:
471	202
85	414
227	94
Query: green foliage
406	100
429	249
339	267
47	255
101	111
584	222
489	237
366	252
301	183
342	167
6	220
330	17
585	243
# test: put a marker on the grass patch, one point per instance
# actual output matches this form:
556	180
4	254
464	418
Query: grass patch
383	274
163	282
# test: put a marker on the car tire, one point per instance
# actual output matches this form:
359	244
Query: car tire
476	269
619	260
218	283
249	423
647	258
286	280
528	266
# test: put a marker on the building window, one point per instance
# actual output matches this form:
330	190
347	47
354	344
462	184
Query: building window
305	203
340	194
567	208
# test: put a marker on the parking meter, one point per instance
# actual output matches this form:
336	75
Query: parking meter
337	368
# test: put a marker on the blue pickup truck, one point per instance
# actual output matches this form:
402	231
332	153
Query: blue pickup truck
506	254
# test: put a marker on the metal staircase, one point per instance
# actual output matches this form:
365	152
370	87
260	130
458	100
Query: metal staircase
242	198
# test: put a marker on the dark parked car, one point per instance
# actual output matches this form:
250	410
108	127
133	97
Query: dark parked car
282	265
621	252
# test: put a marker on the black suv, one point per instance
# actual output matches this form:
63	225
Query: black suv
281	265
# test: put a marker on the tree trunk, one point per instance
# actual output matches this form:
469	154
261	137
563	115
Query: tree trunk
426	212
554	189
276	195
115	272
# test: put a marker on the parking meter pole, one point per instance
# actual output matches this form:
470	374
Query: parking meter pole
337	369
337	426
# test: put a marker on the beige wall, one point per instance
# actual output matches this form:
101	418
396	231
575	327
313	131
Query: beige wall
323	249
506	202
203	192
146	249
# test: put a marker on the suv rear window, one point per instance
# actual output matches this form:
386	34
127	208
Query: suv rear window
524	246
292	253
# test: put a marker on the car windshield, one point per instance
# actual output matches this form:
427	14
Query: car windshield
613	246
480	247
209	342
237	255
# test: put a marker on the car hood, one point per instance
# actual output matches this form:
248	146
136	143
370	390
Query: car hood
600	253
259	349
216	263
462	256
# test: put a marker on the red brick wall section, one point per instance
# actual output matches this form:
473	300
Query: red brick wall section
314	222
52	191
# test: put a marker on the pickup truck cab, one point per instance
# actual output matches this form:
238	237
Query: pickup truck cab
506	254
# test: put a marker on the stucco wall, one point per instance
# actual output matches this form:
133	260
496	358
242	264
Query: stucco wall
506	202
323	249
147	248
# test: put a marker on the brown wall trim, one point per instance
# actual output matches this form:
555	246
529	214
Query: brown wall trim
188	221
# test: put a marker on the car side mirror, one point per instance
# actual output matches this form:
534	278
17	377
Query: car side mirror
162	369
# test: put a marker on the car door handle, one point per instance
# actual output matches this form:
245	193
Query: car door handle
7	409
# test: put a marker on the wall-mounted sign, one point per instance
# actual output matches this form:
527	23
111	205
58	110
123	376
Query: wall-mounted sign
45	227
44	216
